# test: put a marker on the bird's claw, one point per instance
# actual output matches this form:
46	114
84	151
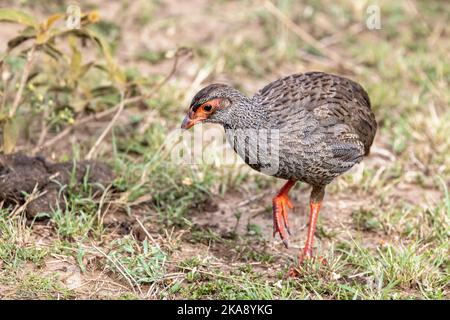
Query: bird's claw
280	217
307	255
305	261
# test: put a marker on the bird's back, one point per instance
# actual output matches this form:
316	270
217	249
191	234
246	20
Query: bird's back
328	98
325	121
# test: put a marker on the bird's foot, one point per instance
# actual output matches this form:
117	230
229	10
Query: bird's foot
280	217
296	271
307	255
305	260
293	272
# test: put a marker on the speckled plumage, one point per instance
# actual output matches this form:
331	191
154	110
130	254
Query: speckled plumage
325	123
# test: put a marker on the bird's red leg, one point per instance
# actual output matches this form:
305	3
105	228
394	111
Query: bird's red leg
280	212
315	203
307	250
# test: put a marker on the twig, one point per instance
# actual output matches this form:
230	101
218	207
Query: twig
306	37
108	127
83	121
337	37
33	196
23	81
101	203
253	198
44	128
122	105
147	233
180	52
129	278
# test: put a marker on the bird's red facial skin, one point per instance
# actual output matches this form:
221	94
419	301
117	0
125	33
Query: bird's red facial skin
200	113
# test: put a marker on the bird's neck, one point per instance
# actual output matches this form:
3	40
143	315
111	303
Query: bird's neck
246	114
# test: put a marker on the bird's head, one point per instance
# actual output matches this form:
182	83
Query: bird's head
211	104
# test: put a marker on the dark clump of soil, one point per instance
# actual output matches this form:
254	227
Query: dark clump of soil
21	175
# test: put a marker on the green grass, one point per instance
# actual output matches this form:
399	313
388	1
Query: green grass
33	286
384	230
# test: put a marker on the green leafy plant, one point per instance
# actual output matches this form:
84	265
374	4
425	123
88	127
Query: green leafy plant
44	72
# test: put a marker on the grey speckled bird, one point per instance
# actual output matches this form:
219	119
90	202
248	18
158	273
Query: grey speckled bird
316	125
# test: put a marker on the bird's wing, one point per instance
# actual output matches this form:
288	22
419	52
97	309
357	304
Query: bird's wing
317	105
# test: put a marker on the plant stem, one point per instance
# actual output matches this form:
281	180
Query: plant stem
23	81
108	127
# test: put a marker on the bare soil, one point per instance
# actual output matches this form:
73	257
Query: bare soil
21	175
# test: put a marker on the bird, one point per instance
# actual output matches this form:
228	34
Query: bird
307	127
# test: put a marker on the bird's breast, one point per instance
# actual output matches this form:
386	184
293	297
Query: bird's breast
258	147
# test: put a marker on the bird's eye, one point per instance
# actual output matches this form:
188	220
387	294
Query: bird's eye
207	108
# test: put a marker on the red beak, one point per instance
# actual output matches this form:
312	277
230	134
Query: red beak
187	122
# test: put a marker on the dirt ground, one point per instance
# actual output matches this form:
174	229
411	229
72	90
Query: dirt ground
22	175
